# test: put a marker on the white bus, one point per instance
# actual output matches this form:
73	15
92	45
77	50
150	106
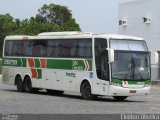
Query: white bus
92	64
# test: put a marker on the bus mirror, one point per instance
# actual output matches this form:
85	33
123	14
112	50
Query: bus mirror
110	55
154	58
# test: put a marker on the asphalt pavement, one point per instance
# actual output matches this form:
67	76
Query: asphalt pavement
15	102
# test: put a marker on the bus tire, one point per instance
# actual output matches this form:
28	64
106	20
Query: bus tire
27	85
86	91
120	98
19	84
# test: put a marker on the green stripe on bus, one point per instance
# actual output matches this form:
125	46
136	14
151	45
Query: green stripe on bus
69	64
24	62
114	80
39	71
37	63
81	65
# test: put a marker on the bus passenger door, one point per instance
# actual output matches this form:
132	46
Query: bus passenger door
101	83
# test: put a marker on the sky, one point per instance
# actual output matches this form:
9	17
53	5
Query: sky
97	16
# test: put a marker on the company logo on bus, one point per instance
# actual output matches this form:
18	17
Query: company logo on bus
76	66
71	75
140	83
80	65
10	62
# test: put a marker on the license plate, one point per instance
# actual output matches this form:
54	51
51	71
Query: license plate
133	91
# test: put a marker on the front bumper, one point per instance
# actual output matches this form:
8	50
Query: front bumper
121	91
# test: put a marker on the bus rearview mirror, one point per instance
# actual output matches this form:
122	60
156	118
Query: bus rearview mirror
110	55
154	58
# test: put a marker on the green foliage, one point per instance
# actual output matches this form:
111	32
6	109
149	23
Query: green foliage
7	25
70	25
50	18
55	14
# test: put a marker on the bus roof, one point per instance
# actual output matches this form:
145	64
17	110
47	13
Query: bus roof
119	36
72	34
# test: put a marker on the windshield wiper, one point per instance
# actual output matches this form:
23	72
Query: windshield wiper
141	77
133	66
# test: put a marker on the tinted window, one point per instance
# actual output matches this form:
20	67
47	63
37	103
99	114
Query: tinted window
79	48
8	48
69	48
84	48
100	47
14	48
54	48
28	48
39	48
88	48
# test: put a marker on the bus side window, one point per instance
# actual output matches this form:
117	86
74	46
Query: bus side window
81	48
66	48
51	48
74	48
54	48
39	48
28	47
17	48
69	48
88	48
58	48
8	48
84	48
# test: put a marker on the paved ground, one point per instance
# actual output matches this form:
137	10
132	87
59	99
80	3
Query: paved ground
12	101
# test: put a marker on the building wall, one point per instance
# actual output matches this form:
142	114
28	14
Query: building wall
133	13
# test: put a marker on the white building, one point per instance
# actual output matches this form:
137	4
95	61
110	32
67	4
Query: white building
142	18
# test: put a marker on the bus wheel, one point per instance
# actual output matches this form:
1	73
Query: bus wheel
27	85
120	98
19	84
86	91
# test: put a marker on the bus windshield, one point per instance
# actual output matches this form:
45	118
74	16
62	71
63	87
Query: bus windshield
131	65
128	44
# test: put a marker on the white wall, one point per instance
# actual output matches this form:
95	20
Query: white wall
134	12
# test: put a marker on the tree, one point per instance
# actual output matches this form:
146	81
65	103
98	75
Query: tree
70	25
55	14
50	18
7	25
